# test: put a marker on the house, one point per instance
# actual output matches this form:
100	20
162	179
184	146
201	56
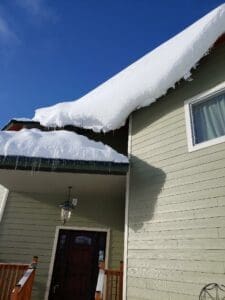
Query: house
38	186
172	200
176	238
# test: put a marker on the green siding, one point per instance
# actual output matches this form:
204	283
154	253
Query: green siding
176	240
29	225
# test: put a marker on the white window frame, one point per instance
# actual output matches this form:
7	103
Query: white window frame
3	202
189	121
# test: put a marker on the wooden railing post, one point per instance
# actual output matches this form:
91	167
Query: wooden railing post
10	274
23	289
98	295
15	293
121	281
114	283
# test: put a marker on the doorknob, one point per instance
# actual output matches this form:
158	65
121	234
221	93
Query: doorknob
55	287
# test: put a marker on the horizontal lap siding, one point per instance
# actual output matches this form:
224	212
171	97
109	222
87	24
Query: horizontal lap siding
29	224
176	239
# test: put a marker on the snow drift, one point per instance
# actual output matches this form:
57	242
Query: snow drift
108	106
56	145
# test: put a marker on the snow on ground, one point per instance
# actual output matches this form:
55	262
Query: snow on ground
56	144
108	106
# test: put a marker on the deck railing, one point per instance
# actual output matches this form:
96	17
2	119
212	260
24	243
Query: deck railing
110	283
15	279
10	274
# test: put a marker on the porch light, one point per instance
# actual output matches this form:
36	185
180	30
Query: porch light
67	206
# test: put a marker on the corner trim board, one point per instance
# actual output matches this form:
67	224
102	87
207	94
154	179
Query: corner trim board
126	225
3	203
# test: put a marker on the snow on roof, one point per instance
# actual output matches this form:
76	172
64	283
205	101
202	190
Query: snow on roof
22	120
56	145
108	106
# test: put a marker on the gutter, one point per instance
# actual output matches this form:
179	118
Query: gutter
62	165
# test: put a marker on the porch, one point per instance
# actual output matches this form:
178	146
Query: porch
16	282
31	220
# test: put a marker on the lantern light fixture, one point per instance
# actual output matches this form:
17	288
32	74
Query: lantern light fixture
67	207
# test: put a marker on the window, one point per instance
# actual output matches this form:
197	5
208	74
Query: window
205	119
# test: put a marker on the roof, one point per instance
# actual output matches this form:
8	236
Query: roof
108	106
117	139
58	151
17	124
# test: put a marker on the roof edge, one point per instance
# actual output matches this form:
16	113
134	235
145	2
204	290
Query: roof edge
13	121
36	164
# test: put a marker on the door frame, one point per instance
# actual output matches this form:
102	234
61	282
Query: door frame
75	228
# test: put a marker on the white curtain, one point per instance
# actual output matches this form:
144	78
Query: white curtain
209	119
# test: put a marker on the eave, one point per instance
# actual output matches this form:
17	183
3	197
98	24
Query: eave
17	125
62	165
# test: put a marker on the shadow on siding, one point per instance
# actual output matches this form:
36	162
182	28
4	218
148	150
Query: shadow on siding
146	183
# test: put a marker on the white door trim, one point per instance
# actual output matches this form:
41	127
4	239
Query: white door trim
75	228
3	202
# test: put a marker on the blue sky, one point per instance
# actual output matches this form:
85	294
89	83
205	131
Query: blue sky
58	50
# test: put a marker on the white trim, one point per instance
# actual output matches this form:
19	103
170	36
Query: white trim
188	119
75	228
3	202
126	225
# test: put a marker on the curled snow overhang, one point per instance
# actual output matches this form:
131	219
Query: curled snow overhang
61	151
116	139
108	106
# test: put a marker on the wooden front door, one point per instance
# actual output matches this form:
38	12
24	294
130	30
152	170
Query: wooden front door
75	269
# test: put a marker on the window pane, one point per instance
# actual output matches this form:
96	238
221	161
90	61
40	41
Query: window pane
209	119
82	240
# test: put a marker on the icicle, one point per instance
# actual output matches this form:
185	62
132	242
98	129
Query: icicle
17	160
39	165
